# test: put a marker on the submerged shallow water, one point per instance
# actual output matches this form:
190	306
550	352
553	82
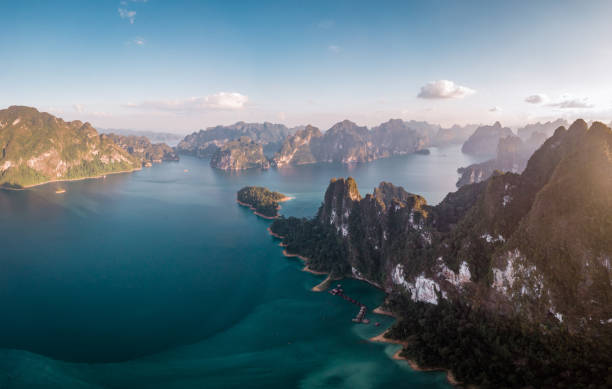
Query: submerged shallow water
159	279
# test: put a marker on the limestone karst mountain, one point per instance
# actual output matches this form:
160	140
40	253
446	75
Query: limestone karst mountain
38	147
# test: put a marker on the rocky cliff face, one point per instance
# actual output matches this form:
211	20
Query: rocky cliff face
346	142
512	156
485	139
205	143
240	154
535	245
141	148
37	147
297	150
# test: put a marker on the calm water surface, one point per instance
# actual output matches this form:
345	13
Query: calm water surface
158	279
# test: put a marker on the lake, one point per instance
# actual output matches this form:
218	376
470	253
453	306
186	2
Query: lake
158	279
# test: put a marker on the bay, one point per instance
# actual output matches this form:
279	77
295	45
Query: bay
158	279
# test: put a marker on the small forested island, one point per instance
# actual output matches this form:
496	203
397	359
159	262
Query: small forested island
263	201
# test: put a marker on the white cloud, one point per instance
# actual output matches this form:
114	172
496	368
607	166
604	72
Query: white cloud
570	102
127	14
333	48
217	101
79	108
444	89
538	98
495	109
138	41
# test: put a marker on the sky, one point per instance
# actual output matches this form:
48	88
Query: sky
179	66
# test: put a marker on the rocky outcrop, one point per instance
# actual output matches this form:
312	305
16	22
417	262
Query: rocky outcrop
535	246
205	143
347	142
141	148
485	139
37	147
240	154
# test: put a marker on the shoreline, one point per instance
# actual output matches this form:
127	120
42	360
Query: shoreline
323	285
316	272
380	338
274	234
304	259
257	213
381	311
71	179
286	198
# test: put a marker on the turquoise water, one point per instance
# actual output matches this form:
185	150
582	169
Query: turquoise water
158	279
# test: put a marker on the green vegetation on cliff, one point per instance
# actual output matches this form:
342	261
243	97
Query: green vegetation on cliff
36	147
262	200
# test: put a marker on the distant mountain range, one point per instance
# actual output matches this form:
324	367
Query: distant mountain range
142	148
547	128
204	143
485	139
153	136
512	156
345	142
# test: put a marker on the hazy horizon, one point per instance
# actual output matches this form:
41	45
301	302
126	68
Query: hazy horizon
189	131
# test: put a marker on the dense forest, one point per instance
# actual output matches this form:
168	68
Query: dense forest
496	352
318	242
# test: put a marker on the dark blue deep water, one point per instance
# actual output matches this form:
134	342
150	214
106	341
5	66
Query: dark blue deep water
158	279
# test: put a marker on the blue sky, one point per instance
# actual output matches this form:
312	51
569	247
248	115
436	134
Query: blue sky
184	65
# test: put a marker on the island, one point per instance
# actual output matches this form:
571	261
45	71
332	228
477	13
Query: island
263	201
205	143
